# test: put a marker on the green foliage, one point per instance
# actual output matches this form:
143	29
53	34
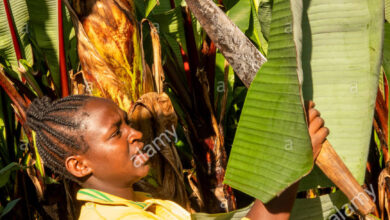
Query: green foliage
244	14
341	77
386	57
319	208
272	128
338	62
6	172
264	15
8	207
240	14
20	14
44	33
171	28
234	215
387	10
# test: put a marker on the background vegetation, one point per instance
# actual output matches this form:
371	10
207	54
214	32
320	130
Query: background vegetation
46	48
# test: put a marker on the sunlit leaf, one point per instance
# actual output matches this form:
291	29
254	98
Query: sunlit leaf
20	19
44	31
272	148
386	56
341	76
240	14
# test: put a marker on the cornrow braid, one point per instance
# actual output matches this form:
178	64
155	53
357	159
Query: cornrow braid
57	131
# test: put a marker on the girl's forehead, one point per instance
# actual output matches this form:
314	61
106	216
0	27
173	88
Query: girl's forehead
101	112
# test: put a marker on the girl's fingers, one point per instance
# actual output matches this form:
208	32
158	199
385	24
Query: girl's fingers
317	140
309	104
315	125
313	113
319	137
322	133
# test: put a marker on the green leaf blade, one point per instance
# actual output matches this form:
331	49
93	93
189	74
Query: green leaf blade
272	148
342	46
9	207
20	18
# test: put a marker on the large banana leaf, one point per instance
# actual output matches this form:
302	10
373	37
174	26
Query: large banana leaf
386	54
342	45
387	10
20	16
272	149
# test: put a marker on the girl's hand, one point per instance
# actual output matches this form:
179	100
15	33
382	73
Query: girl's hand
317	131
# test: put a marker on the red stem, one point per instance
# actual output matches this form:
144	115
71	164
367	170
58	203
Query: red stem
386	85
64	77
192	51
187	69
12	30
13	34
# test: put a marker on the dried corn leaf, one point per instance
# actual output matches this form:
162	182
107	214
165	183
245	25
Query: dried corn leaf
108	48
155	117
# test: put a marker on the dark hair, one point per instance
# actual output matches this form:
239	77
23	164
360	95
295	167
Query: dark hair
57	130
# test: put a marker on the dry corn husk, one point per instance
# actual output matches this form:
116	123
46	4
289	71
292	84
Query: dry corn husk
153	114
109	49
383	191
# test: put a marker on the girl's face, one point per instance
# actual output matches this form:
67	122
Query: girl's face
113	144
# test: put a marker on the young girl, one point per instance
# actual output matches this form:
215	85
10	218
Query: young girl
89	140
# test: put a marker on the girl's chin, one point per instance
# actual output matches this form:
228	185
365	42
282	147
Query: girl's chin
144	168
142	171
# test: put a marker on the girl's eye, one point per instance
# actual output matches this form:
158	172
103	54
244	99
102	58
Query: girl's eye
117	133
127	120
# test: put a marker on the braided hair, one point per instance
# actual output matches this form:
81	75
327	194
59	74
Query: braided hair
57	130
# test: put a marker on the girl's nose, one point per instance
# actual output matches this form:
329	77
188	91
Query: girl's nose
134	135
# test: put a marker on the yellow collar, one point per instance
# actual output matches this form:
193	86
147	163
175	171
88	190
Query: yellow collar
93	195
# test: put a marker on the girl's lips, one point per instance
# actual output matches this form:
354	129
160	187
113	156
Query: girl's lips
141	157
137	149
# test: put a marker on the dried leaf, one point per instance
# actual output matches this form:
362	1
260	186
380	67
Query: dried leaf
154	116
108	48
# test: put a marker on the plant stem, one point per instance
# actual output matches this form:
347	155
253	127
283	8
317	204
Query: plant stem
12	30
18	101
64	78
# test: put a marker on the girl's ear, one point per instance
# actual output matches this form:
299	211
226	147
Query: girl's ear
77	166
